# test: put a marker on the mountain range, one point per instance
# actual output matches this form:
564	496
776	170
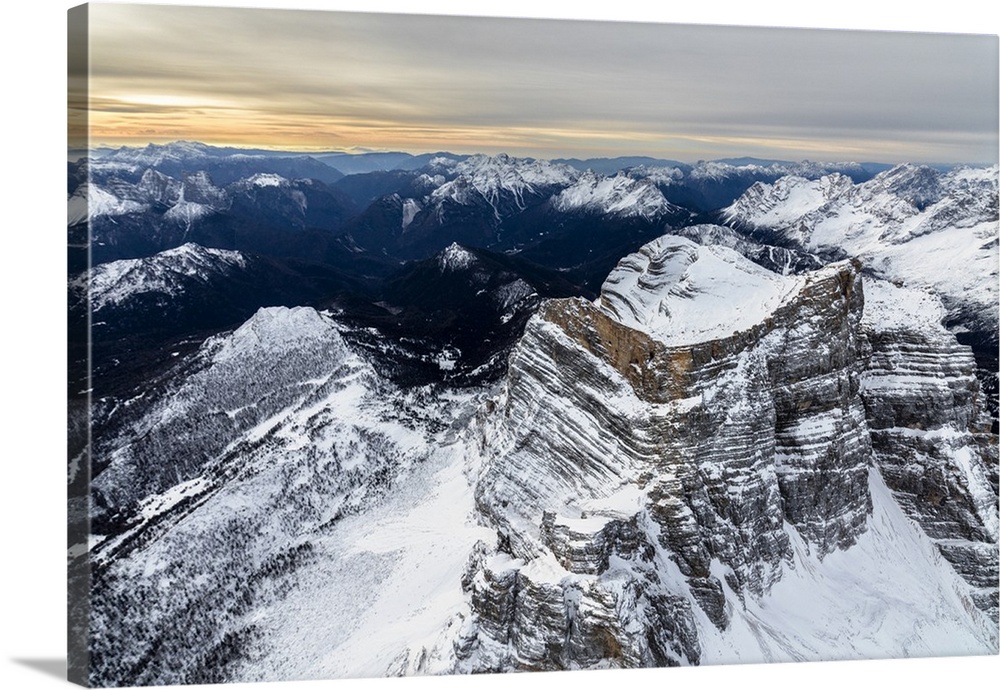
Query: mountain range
386	414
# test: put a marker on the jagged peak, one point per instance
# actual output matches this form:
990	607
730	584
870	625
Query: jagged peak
156	154
152	174
165	272
502	180
918	184
508	169
195	250
787	198
620	195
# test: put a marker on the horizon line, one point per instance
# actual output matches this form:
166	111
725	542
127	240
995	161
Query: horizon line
360	151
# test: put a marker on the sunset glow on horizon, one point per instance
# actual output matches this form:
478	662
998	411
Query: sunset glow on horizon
329	81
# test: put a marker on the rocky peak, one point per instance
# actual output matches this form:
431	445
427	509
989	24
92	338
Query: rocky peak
167	273
620	196
198	188
455	258
919	185
780	203
155	155
681	466
501	181
159	187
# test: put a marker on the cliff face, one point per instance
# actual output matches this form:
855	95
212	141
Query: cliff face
650	463
930	433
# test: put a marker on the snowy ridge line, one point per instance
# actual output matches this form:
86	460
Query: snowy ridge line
114	282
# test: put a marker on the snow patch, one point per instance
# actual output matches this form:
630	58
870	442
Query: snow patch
267	180
455	258
682	293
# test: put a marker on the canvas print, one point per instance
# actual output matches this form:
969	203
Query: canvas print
444	345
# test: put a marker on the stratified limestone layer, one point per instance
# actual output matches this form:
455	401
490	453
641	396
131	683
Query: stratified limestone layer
630	477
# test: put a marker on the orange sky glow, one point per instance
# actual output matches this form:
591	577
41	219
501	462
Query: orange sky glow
327	81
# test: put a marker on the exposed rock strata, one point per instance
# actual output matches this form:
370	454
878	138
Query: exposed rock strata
639	484
930	436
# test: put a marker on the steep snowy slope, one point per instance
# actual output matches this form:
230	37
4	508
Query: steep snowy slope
222	495
929	431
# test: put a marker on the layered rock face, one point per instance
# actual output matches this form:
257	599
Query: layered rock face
642	477
930	433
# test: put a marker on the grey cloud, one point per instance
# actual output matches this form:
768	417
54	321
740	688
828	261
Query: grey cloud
659	79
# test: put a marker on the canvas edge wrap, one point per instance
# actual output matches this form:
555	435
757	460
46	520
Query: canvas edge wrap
81	667
78	369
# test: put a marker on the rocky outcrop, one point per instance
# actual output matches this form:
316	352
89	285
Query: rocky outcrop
654	464
530	619
620	458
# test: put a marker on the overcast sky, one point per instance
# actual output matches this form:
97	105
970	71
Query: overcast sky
330	80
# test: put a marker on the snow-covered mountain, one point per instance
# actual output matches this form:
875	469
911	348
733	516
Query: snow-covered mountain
225	164
548	212
140	314
704	467
619	196
263	212
711	185
724	169
911	224
155	155
505	184
217	523
168	274
663	477
91	201
502	414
